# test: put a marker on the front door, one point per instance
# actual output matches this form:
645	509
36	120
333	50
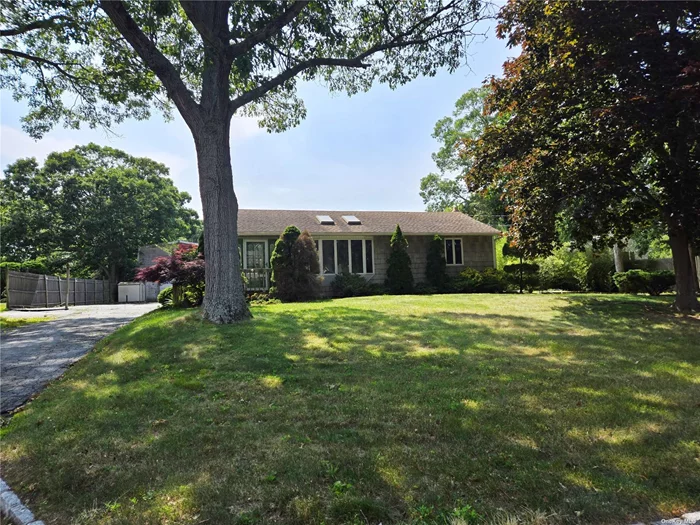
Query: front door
255	259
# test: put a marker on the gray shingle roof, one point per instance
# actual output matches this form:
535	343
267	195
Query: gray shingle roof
273	222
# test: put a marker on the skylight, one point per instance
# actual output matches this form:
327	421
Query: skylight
351	219
325	219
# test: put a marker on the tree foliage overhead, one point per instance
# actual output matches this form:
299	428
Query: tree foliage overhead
118	60
94	204
211	60
604	105
447	190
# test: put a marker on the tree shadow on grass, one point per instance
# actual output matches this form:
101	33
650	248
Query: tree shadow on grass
340	413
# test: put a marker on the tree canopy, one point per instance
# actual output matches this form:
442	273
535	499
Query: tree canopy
602	135
212	60
447	190
95	205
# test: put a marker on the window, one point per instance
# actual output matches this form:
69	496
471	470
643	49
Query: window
325	219
343	256
356	251
346	255
369	257
453	251
328	256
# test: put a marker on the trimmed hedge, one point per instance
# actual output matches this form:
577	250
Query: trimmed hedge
489	280
523	275
640	281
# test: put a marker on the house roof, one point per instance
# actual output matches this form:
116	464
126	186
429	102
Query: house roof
273	222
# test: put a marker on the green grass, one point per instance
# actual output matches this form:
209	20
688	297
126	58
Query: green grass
10	323
391	409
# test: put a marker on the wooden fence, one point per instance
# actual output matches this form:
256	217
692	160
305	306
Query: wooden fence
31	290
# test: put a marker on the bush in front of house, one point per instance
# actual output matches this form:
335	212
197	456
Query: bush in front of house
261	298
350	285
295	267
489	280
436	266
523	276
399	278
640	281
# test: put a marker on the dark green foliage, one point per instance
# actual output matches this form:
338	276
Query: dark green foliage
428	289
436	267
295	267
350	285
93	205
661	281
261	298
523	275
599	275
489	280
399	278
640	281
493	281
165	297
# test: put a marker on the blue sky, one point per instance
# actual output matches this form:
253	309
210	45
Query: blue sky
366	152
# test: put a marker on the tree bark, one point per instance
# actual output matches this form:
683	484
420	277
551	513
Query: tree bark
694	268
617	256
686	300
224	298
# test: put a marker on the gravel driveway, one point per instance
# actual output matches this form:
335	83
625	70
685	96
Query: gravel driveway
34	355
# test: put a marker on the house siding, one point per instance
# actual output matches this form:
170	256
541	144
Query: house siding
477	253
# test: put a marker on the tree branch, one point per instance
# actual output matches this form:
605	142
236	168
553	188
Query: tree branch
37	24
193	10
273	27
356	62
154	59
39	60
280	79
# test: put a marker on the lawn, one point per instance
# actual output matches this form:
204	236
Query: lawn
381	409
9	323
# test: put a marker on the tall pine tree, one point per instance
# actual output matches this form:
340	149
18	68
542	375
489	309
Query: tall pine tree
399	278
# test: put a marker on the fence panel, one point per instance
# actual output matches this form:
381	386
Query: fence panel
30	290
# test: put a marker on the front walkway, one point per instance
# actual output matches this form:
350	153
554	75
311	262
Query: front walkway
34	355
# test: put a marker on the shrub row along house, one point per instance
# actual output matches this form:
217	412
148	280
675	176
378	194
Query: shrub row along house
358	242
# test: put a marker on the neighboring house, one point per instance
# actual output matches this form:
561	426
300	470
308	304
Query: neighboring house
148	254
358	241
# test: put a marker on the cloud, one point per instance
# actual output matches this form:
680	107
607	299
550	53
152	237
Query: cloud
243	128
16	144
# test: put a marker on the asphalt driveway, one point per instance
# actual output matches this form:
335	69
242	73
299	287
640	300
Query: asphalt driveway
34	355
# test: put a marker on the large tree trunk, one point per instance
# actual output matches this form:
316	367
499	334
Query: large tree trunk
617	256
686	300
224	297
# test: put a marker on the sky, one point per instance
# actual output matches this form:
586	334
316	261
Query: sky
365	152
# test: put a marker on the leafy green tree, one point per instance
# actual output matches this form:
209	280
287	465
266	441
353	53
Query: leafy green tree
436	266
602	134
295	266
94	204
447	190
212	60
399	278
